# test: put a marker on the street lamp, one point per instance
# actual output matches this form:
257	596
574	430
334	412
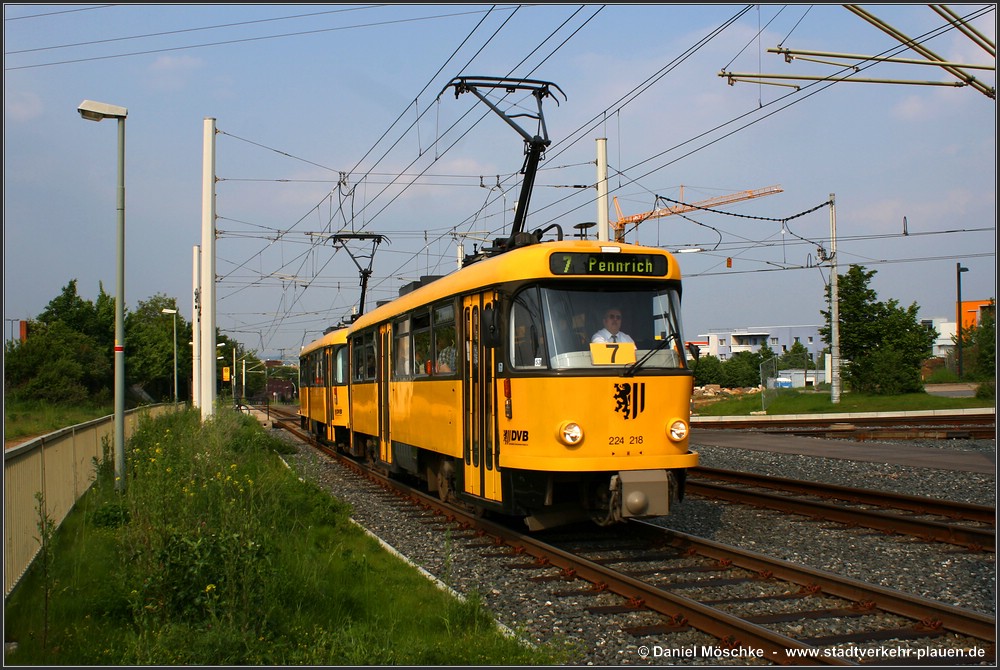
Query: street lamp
174	312
96	111
958	313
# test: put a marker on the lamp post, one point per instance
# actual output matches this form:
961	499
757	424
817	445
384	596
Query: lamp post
97	111
174	312
958	313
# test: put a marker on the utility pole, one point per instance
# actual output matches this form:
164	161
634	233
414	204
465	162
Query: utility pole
12	322
834	309
958	313
603	234
207	289
196	327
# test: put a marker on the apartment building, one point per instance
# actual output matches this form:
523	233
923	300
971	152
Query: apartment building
724	343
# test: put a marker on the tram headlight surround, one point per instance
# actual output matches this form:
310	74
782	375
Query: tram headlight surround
677	430
570	433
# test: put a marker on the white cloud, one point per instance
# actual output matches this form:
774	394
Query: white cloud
21	106
170	64
171	73
912	108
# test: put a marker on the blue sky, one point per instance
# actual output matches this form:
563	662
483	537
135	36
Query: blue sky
329	120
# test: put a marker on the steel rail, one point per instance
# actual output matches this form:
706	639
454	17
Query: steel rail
847	422
966	536
918	504
955	619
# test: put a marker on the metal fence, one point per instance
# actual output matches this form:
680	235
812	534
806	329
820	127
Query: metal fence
61	467
785	372
768	382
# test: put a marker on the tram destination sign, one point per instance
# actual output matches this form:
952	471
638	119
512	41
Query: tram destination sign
608	265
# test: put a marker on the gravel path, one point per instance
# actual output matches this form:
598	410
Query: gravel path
949	575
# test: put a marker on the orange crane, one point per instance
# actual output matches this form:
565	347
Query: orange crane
619	226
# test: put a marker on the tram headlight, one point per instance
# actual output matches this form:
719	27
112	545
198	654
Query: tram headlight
677	430
570	433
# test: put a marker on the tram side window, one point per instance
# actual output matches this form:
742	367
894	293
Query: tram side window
401	337
359	359
445	336
371	362
312	370
364	357
422	365
340	366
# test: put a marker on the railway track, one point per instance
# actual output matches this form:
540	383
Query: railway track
963	524
889	426
771	609
657	583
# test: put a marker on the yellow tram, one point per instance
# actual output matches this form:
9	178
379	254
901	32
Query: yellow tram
486	383
323	391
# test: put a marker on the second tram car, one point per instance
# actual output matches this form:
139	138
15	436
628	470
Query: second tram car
486	383
324	408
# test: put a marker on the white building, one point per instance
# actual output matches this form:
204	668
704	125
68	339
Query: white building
946	330
723	343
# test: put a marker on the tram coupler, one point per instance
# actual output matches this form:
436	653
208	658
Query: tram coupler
643	492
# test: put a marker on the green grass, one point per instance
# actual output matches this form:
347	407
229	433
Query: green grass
216	554
27	419
818	402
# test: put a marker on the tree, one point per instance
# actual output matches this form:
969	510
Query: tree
67	355
882	345
797	356
742	370
57	364
707	370
979	351
985	342
82	316
149	350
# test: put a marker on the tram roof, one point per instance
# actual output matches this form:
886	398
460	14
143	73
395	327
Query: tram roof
335	336
528	262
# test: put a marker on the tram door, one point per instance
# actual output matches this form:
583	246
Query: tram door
383	348
329	394
480	449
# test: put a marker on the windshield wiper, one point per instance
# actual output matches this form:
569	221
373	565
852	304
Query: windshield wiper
632	369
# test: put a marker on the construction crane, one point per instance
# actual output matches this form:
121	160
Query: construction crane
619	226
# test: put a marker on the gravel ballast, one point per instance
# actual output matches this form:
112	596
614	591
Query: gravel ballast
947	574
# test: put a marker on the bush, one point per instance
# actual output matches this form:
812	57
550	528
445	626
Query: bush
217	554
883	372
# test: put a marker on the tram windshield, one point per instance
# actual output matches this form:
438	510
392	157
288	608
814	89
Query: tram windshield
596	327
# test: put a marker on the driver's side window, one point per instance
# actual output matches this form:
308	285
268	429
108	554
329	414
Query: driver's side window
527	348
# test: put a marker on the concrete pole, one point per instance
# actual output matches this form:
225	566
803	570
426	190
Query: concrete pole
196	328
602	189
208	363
834	310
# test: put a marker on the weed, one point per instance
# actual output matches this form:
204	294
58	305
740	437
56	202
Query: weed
217	554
